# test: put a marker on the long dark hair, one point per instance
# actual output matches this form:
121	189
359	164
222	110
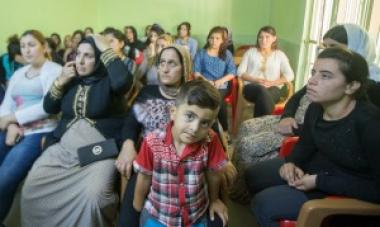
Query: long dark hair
223	46
270	30
134	32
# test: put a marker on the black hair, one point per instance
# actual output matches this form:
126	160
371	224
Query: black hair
134	32
200	93
352	65
115	32
58	36
13	47
187	25
337	33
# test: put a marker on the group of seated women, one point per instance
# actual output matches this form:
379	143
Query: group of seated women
50	113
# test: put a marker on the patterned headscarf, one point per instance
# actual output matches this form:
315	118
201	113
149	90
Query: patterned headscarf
186	68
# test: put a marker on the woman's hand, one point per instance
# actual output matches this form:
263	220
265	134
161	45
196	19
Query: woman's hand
229	174
220	208
219	83
286	126
290	173
124	162
101	42
68	73
306	183
6	120
14	133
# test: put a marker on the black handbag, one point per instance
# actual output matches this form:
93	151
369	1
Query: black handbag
97	152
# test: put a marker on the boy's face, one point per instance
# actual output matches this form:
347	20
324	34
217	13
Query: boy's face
191	123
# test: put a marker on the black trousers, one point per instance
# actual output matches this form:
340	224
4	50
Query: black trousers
264	98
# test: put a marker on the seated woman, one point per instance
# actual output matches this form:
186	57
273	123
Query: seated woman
23	121
69	54
116	40
338	148
89	94
265	69
215	64
133	46
184	38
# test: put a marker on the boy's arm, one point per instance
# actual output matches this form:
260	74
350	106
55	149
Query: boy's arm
214	179
141	191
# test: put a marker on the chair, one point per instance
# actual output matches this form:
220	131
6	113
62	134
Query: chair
279	107
240	52
314	212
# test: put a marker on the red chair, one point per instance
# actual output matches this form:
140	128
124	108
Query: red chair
316	212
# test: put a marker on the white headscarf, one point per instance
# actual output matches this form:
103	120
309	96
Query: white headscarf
360	42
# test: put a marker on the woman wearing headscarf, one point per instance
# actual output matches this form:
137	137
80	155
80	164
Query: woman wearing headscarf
89	94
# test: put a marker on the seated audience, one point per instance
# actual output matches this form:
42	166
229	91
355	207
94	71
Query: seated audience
69	54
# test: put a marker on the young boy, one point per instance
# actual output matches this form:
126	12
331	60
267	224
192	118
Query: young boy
173	166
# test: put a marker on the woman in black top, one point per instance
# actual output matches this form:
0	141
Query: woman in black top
89	94
337	152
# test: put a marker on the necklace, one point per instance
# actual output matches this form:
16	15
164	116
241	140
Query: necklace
30	74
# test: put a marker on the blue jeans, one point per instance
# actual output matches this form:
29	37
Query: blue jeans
273	198
15	162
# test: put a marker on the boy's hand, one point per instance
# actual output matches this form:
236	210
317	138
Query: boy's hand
124	162
218	207
286	126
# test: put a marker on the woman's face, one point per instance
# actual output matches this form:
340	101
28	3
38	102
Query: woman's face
328	42
183	32
153	37
161	44
266	40
170	68
32	50
129	34
327	84
85	59
75	40
56	39
215	40
67	41
115	44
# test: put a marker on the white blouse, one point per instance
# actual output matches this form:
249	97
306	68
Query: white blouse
269	68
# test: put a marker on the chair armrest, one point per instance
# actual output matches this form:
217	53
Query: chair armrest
315	211
287	145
